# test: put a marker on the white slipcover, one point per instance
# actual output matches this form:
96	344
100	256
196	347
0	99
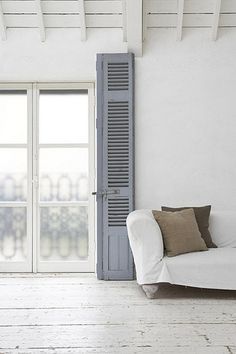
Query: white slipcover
215	268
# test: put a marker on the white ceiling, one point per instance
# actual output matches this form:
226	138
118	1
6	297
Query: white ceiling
134	17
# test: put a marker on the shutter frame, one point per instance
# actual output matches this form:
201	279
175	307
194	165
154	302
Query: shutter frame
115	164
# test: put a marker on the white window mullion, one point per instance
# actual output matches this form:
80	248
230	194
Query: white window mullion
35	177
68	145
13	146
62	204
30	176
13	204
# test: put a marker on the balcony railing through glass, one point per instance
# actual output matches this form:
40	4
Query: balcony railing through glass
63	229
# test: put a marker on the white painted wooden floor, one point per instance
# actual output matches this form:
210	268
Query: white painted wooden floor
78	314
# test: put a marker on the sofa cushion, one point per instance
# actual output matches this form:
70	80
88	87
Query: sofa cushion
223	228
202	215
214	269
180	232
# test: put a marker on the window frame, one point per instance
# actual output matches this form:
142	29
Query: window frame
33	263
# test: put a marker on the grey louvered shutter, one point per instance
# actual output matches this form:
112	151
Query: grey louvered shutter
115	164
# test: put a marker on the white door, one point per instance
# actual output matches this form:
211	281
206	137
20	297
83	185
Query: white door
46	178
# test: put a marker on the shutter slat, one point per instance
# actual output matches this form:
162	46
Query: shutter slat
115	73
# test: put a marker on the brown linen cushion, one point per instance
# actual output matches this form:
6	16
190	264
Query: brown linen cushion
179	231
202	215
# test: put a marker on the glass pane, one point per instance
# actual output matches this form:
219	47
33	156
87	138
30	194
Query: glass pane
13	175
63	233
63	174
13	117
13	234
63	117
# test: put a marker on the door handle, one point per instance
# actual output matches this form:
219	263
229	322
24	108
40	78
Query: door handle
99	194
106	192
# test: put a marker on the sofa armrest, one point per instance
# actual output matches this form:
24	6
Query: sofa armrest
146	244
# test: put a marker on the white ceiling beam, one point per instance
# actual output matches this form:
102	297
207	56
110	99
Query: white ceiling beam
216	17
180	16
134	10
40	20
2	24
83	28
124	13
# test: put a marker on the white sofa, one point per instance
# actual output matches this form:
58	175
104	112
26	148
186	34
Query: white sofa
215	268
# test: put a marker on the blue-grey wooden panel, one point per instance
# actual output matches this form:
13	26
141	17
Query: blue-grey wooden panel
115	163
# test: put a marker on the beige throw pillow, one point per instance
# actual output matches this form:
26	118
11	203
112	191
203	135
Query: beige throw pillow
180	232
202	215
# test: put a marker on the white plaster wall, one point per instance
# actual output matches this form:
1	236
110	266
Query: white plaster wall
186	120
185	105
23	57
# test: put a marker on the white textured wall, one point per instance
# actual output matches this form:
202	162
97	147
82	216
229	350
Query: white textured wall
185	105
61	57
186	121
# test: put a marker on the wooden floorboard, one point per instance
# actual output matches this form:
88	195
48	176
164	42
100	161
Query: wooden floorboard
79	314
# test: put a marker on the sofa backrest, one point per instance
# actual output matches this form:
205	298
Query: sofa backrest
223	228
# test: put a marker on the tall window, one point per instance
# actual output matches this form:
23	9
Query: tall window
46	178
